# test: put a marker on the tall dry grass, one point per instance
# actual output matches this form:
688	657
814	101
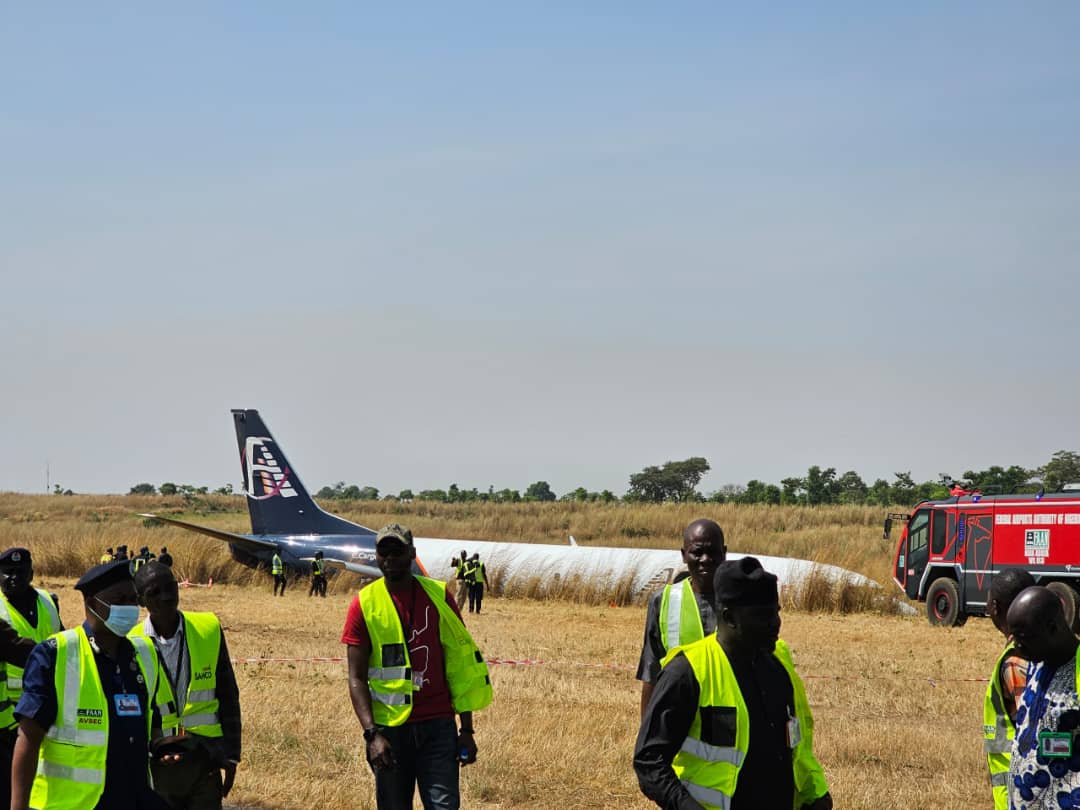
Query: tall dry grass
66	534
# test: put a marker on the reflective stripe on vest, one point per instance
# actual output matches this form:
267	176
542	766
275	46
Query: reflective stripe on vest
707	797
391	699
48	622
275	565
71	762
390	682
388	673
679	617
202	638
998	734
713	769
713	753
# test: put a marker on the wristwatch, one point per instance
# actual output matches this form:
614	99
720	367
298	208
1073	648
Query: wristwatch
369	733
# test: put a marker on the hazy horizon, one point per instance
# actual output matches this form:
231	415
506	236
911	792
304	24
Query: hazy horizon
490	245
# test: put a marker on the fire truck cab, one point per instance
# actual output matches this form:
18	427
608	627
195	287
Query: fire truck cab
949	551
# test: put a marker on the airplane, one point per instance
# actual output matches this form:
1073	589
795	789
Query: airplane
285	517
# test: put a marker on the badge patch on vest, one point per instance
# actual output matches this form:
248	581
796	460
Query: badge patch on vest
1055	744
89	717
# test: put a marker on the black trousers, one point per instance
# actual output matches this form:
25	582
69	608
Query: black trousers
7	751
476	596
193	783
279	579
425	754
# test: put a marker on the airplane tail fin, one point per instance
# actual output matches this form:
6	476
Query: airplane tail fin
277	499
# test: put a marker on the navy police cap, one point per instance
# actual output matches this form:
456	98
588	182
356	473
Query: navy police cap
102	576
15	556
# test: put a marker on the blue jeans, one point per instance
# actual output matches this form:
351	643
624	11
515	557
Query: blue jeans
426	756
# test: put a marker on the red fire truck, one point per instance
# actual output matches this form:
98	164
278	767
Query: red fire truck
950	550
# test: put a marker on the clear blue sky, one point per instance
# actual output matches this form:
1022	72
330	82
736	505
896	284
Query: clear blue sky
496	243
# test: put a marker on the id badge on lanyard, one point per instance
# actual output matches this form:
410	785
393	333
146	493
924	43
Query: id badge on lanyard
127	705
1056	744
794	733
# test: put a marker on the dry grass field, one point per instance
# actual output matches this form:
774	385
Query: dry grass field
897	703
897	724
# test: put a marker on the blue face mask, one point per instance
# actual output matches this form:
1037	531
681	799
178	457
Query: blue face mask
122	618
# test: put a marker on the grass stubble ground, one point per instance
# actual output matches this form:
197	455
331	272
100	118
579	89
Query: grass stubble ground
897	703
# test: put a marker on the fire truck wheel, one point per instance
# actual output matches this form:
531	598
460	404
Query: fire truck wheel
943	603
1067	596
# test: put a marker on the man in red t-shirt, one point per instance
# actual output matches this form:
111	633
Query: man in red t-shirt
426	749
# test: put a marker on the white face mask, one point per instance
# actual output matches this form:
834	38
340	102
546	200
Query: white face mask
122	618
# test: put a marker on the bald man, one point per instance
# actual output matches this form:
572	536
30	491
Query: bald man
1007	683
682	612
1045	766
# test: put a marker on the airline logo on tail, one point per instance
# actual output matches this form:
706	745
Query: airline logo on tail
265	477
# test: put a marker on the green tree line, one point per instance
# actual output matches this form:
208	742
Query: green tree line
678	481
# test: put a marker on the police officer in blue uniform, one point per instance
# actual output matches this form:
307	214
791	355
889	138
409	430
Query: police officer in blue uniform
111	611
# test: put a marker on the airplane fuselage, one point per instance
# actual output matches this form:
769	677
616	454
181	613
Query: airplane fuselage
297	550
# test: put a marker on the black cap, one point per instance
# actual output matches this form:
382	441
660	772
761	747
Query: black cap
744	582
102	576
15	556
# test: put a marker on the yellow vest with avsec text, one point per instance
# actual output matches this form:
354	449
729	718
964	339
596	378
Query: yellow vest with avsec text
71	762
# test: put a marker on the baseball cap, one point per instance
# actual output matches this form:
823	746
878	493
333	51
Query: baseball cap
395	531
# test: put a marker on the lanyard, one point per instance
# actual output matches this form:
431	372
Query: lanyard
407	619
118	678
174	676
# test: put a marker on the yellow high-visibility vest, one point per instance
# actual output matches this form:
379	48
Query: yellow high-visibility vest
202	636
477	573
710	772
389	670
48	622
71	763
998	734
680	619
275	566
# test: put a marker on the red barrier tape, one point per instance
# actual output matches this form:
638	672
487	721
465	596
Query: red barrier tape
528	662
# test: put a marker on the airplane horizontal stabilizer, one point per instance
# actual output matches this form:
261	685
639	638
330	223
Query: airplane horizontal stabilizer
249	543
